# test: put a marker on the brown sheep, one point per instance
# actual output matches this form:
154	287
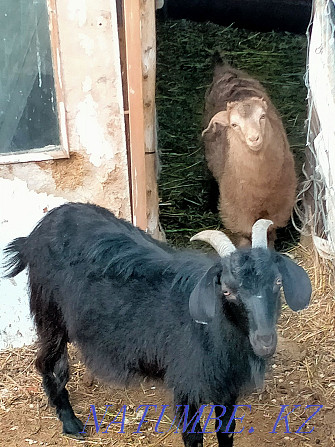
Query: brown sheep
248	154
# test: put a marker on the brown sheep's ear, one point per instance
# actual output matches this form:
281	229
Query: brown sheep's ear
221	118
264	104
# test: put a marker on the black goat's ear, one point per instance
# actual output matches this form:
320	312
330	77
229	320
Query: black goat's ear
296	283
203	297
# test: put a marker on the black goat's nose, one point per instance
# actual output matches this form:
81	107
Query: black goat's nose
265	340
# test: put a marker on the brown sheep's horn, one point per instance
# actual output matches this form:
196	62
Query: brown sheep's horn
259	235
218	240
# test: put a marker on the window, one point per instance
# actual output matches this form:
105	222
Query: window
29	125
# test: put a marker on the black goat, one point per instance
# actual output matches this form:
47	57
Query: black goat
133	306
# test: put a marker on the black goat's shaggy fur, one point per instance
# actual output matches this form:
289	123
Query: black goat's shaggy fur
126	300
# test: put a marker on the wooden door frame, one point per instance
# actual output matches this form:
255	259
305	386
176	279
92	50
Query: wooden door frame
137	38
131	66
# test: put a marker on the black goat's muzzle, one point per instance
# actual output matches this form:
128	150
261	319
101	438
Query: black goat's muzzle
263	345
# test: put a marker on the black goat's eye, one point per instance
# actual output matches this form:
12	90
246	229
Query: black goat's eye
229	295
278	282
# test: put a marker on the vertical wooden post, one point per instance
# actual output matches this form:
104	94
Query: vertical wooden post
57	70
132	20
148	38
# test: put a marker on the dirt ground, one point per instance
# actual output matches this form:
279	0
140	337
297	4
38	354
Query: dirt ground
301	373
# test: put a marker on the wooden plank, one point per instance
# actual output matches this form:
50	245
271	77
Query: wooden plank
123	64
148	39
154	227
46	153
136	116
58	78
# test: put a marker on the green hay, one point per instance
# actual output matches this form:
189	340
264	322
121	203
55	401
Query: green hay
185	53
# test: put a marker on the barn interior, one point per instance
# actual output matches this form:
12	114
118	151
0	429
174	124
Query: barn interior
186	55
302	372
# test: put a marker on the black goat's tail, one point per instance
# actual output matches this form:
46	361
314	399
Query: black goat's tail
15	262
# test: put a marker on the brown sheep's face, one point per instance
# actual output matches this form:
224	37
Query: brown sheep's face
246	120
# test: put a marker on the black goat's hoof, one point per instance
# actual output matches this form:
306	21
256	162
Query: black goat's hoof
78	437
194	444
73	428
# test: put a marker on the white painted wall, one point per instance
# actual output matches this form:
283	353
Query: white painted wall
97	169
19	213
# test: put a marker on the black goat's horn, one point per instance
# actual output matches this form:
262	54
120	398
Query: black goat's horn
218	240
259	235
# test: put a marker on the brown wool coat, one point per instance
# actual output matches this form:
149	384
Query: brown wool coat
252	184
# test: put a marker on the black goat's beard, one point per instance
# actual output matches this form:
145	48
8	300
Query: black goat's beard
237	315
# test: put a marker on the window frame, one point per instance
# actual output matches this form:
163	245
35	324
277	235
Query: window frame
50	152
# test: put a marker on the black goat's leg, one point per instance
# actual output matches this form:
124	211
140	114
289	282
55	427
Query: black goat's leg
52	363
225	439
194	439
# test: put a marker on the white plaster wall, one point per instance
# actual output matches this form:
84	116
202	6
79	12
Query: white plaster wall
97	169
19	213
